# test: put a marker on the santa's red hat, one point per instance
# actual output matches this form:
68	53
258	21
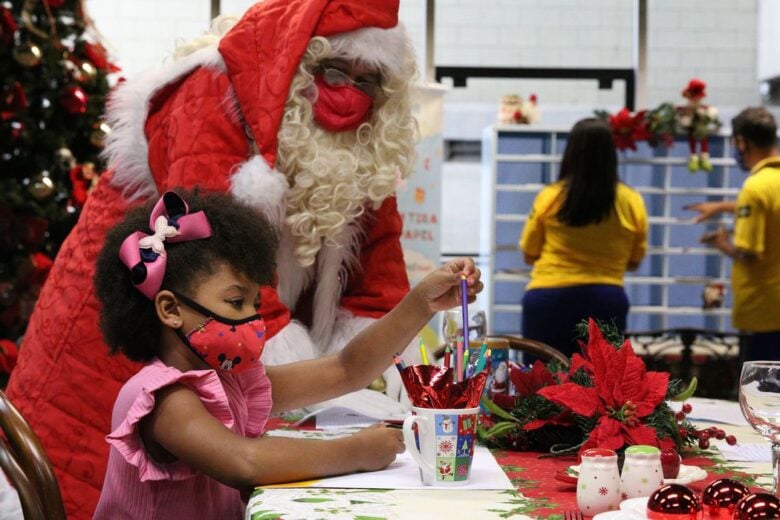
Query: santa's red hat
280	30
260	55
695	89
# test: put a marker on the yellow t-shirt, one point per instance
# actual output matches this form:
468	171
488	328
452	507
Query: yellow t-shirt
756	284
593	254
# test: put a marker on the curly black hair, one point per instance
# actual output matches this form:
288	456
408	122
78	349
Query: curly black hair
240	237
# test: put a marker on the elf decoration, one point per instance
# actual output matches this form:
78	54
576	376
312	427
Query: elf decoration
697	120
513	110
659	126
53	83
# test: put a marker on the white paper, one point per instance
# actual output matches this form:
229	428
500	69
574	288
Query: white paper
713	410
338	417
405	474
747	452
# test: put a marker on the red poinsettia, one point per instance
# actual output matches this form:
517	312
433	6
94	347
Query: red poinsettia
527	383
624	393
627	129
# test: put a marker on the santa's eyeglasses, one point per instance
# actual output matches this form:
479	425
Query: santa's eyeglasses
337	78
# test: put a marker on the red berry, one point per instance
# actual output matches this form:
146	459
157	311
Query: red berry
720	435
705	434
731	440
686	408
704	443
679	416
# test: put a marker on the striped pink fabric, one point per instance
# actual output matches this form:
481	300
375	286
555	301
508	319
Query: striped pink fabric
137	487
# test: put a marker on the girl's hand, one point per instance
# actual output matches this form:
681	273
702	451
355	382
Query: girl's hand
377	446
441	289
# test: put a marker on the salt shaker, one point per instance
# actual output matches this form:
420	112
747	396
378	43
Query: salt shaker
598	484
642	472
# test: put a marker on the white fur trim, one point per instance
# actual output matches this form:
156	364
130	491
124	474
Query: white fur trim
334	265
261	187
126	149
347	326
388	49
291	344
293	278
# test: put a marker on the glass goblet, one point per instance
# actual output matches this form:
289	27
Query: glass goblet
759	399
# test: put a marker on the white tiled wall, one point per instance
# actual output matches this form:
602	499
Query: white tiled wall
711	39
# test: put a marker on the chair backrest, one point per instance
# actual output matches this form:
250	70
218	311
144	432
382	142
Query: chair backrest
24	461
541	350
535	348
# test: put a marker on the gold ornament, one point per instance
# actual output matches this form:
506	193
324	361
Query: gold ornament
27	54
64	159
99	133
88	73
41	186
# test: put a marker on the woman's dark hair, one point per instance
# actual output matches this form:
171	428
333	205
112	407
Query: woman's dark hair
240	237
757	126
589	169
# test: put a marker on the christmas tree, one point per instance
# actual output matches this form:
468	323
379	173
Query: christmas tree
53	85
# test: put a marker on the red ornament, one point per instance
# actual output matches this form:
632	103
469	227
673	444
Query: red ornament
41	265
721	496
8	354
74	100
756	506
17	129
96	53
8	26
670	462
14	100
673	502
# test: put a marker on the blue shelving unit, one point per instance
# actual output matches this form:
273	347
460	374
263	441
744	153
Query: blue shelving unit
666	290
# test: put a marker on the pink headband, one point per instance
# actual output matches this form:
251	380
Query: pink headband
144	254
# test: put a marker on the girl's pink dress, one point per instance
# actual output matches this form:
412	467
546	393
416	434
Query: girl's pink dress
138	487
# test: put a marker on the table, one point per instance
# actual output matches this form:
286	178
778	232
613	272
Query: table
537	493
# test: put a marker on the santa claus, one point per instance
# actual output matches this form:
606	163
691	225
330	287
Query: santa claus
303	111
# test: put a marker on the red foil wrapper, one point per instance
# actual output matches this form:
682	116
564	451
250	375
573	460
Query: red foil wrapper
431	386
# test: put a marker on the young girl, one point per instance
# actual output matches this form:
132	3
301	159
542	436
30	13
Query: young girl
183	298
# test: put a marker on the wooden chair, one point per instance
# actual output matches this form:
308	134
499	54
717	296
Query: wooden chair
24	461
535	348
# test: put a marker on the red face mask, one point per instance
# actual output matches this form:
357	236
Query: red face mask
340	108
228	345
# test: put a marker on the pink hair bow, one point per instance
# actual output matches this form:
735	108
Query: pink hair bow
144	254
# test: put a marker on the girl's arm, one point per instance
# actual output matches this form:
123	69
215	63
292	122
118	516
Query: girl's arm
182	426
369	353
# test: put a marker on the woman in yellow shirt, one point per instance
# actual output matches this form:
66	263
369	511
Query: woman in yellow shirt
581	236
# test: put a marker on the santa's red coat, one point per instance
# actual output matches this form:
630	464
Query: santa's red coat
65	383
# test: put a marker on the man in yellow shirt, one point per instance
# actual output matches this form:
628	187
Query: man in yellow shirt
755	249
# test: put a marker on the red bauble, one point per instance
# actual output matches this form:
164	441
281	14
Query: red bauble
74	100
14	100
756	506
674	502
8	26
721	496
670	462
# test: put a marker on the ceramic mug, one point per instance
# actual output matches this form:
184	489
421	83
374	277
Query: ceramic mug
642	472
443	443
598	483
